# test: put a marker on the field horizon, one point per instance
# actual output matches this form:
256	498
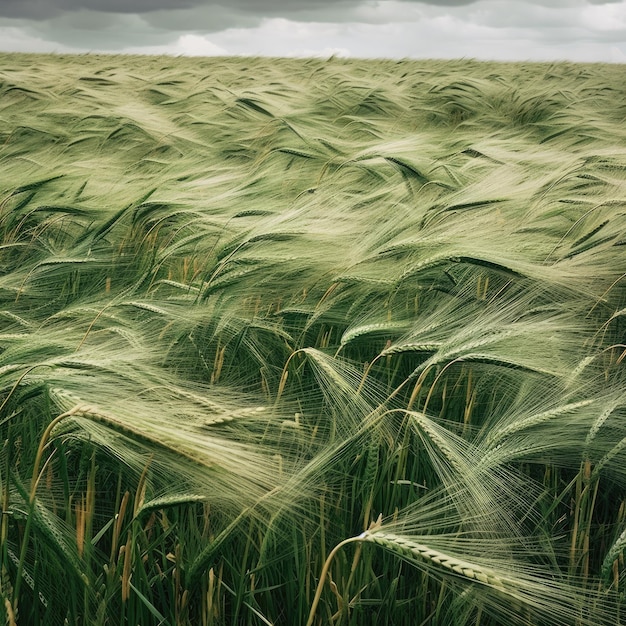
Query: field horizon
312	341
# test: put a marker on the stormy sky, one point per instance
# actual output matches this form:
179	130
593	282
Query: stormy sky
577	30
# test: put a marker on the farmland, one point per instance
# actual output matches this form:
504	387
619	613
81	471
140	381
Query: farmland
303	341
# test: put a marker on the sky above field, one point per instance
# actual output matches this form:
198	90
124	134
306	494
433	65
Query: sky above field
577	30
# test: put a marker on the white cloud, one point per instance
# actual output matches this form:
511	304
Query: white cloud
282	37
605	17
190	45
196	45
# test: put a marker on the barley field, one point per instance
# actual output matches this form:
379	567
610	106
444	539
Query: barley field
312	342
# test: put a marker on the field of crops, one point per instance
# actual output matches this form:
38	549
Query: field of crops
312	342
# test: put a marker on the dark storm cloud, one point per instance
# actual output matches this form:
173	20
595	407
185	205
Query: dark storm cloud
45	9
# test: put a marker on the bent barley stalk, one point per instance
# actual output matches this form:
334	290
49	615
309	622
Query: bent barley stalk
412	550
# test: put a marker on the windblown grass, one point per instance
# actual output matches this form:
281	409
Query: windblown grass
256	312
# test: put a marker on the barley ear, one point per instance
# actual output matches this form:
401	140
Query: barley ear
406	548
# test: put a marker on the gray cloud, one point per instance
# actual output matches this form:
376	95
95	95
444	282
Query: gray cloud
91	31
208	19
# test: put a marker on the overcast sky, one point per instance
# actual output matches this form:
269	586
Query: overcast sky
578	30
